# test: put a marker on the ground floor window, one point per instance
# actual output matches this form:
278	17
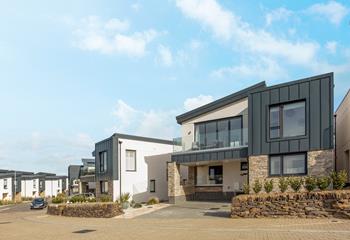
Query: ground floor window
215	174
285	165
104	186
152	187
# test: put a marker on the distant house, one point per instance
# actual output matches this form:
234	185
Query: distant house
82	177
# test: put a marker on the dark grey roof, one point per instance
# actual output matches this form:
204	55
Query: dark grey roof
138	138
46	174
219	103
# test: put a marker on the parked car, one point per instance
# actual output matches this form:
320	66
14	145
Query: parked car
38	203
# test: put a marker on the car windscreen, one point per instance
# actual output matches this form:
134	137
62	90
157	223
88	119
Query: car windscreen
38	200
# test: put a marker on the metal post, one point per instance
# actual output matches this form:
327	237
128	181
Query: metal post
15	183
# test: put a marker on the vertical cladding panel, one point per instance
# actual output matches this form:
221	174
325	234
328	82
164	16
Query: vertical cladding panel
304	90
284	146
294	92
325	121
274	96
315	115
265	101
274	147
284	94
294	145
257	123
250	125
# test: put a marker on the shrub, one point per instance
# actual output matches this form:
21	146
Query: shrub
257	186
310	183
6	202
246	188
323	182
296	183
26	198
152	201
339	179
105	198
77	199
268	185
91	199
124	197
283	184
57	200
137	205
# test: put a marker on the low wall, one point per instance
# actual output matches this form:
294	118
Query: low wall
304	205
88	210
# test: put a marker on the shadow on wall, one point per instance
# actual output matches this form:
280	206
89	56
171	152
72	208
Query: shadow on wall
156	179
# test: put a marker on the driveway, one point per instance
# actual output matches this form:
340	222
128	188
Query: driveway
191	209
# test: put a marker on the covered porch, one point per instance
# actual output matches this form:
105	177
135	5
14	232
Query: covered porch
216	179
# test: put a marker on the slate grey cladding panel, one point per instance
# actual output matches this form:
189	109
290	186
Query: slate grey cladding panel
112	168
317	92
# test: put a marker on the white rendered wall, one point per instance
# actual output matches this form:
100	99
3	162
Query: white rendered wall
6	194
52	188
28	189
137	182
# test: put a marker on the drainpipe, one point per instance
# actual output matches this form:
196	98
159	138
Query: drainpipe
120	168
335	142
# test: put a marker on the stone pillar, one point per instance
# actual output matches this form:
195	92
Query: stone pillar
320	163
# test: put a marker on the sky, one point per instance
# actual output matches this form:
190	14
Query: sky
74	72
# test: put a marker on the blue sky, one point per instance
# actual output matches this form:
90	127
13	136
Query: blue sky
74	72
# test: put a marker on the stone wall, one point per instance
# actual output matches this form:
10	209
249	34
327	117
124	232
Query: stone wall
319	163
88	210
303	205
176	191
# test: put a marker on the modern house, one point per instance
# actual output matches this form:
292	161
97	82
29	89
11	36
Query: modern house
55	185
258	133
132	164
82	177
342	123
6	184
30	186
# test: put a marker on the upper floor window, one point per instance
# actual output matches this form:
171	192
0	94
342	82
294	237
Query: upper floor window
103	161
58	183
287	120
130	158
219	133
152	187
34	183
291	164
5	183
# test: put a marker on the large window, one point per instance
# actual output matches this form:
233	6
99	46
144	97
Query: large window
215	174
103	161
104	186
218	134
287	120
291	164
130	158
5	183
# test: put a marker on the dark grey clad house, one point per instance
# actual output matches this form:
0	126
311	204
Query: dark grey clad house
261	132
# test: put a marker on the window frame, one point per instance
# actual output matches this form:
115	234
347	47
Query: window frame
5	183
217	130
282	174
103	187
222	174
281	120
131	170
152	181
103	167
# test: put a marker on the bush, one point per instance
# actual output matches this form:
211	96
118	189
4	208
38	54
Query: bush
26	198
246	188
58	199
124	197
310	183
323	182
105	198
268	185
296	183
137	205
152	201
339	179
283	184
6	202
78	199
257	186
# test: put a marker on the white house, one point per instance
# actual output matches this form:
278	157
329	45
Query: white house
30	186
132	164
6	191
55	185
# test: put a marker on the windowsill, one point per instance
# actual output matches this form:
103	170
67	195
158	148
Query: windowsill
286	138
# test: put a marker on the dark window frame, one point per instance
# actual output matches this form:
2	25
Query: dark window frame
102	187
281	156
222	173
280	106
5	183
217	130
103	161
130	170
243	168
152	181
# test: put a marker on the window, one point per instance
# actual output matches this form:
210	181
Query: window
244	166
41	184
292	164
5	183
58	183
220	133
130	158
215	174
104	186
103	161
287	120
152	186
34	183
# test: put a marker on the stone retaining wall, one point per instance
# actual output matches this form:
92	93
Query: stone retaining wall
95	210
303	205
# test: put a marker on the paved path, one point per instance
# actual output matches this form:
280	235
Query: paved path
37	225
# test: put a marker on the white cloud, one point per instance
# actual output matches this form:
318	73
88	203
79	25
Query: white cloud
108	37
277	15
331	46
136	6
165	56
262	69
195	102
225	25
334	11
